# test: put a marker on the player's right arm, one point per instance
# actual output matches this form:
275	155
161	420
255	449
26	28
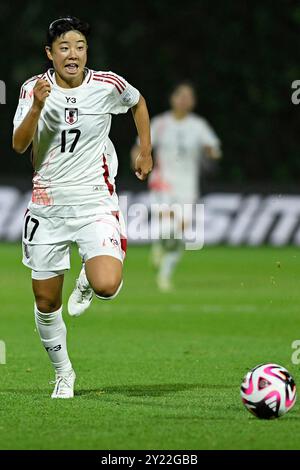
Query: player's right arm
134	153
136	149
24	133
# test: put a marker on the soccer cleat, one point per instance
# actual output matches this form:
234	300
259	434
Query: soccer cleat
81	297
64	385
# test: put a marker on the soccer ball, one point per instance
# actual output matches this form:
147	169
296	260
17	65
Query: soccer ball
268	391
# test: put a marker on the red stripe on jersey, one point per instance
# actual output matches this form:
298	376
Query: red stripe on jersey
89	77
111	82
119	80
106	176
48	75
30	80
107	80
36	77
112	77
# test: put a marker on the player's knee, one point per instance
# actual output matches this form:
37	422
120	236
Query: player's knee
47	305
108	288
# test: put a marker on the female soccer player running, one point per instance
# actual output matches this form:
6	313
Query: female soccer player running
65	113
180	139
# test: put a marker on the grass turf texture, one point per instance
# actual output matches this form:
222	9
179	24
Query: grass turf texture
155	370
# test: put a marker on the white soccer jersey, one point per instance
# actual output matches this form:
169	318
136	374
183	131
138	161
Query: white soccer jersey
178	146
74	161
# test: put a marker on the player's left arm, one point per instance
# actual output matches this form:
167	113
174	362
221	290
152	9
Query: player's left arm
143	162
211	144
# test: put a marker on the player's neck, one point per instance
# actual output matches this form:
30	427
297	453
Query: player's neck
77	81
179	115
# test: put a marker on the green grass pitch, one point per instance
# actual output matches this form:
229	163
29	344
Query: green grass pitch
155	371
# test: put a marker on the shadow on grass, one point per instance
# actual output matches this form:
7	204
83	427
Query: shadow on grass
153	390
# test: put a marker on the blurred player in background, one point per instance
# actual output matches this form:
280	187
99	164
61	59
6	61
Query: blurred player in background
180	140
65	113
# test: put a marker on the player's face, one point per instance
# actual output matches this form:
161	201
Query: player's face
69	55
183	100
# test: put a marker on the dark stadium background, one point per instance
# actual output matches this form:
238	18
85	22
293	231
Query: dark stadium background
241	55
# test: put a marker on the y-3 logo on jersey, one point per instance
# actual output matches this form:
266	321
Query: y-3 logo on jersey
71	115
70	99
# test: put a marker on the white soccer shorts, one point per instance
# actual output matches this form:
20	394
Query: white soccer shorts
47	241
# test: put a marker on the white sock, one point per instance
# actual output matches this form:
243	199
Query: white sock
53	334
112	296
169	262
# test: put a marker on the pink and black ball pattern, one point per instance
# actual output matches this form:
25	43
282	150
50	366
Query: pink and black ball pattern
268	391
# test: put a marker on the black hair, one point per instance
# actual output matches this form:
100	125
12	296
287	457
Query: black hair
187	83
63	25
